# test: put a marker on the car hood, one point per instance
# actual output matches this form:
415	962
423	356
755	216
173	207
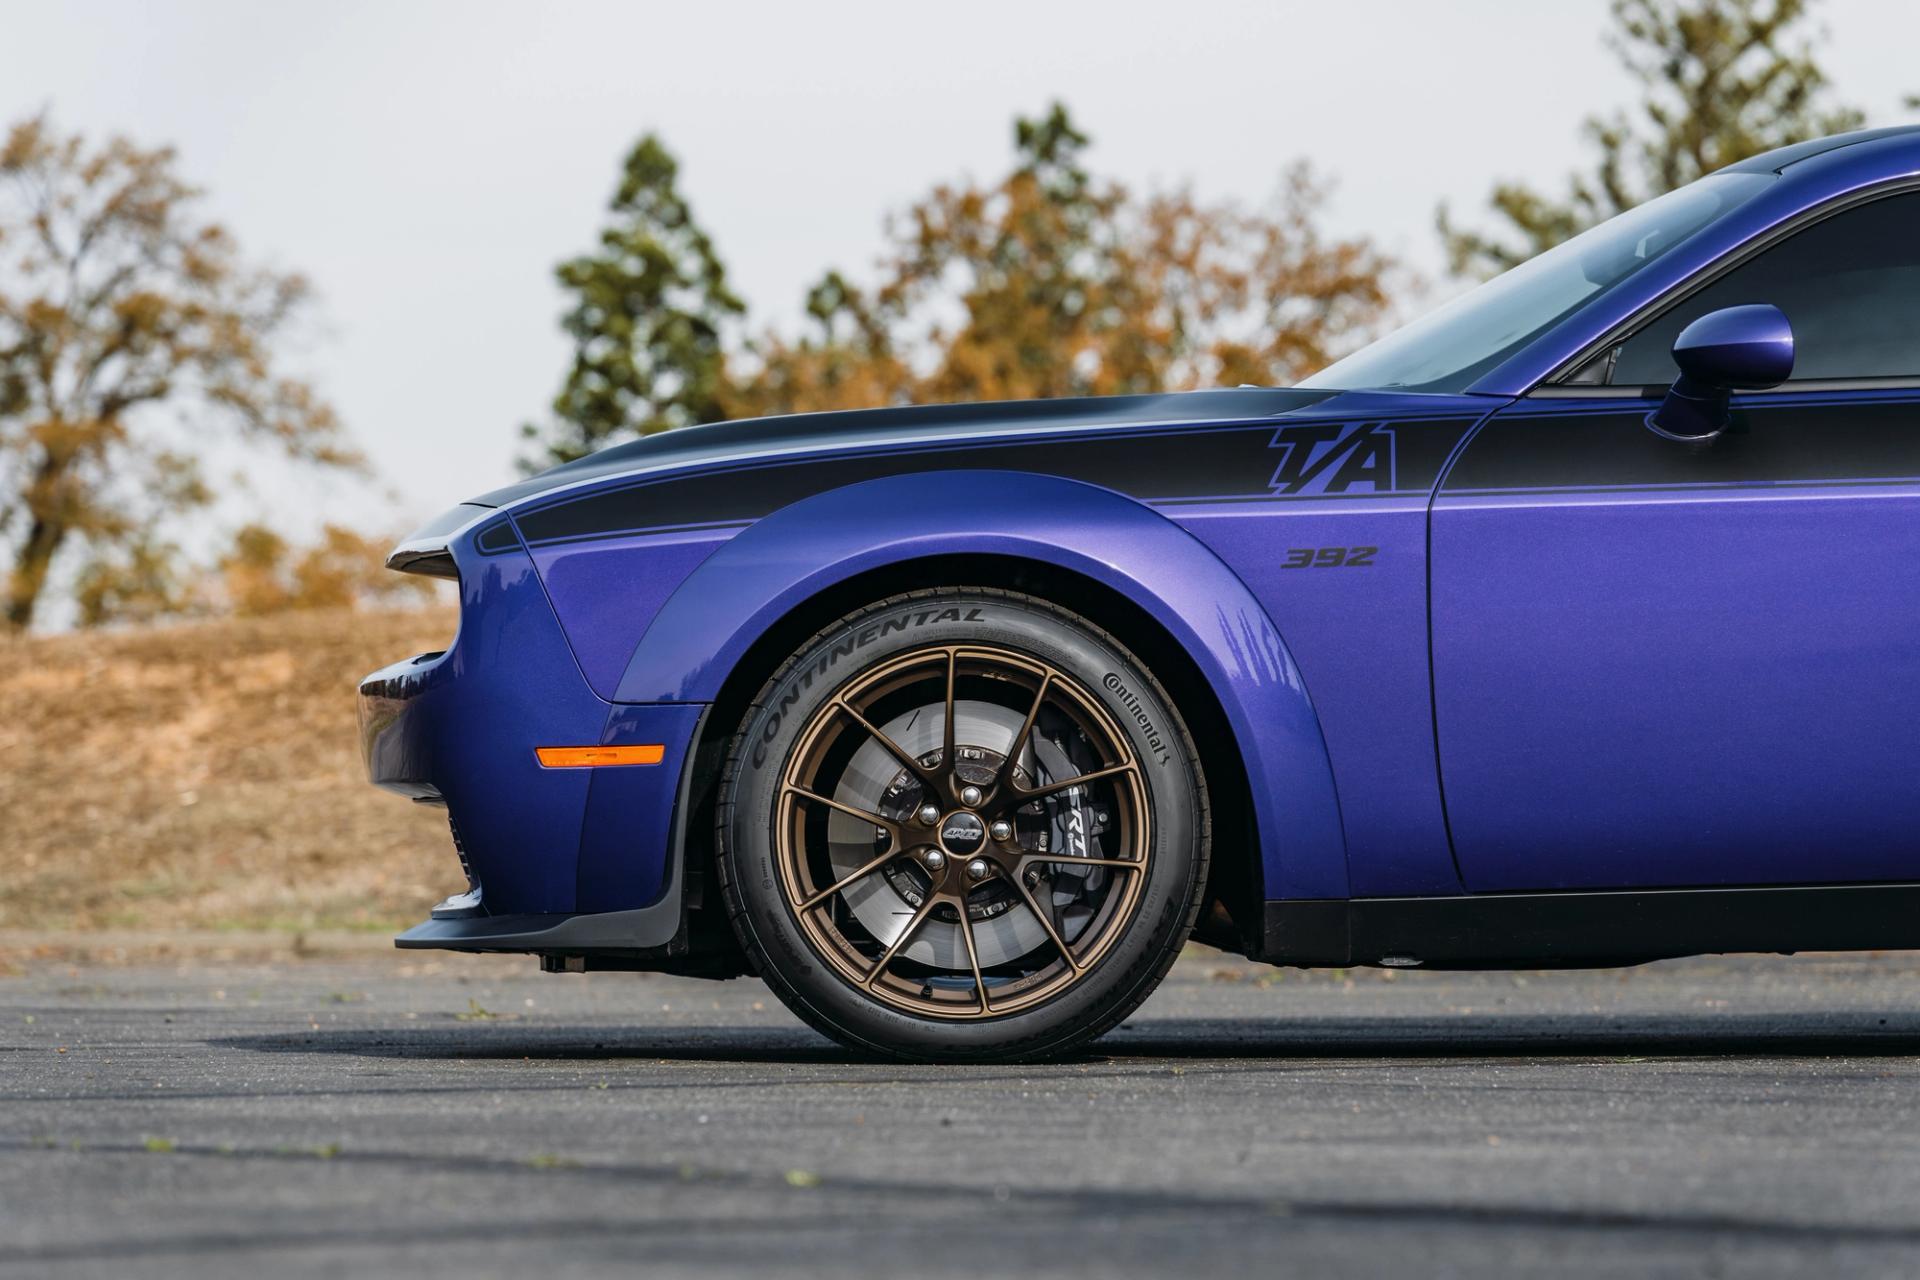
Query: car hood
813	432
802	437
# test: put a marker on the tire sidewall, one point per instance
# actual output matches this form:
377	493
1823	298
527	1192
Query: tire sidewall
1109	675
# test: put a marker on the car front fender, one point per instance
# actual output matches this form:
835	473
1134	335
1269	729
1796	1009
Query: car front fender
761	575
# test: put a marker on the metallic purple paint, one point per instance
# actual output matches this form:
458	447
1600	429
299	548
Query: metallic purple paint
626	849
463	726
607	592
1360	637
1687	686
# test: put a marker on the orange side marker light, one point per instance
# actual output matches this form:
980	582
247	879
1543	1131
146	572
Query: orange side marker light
591	757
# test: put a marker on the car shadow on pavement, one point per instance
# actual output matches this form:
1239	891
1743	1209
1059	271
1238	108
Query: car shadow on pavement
1545	1035
520	1040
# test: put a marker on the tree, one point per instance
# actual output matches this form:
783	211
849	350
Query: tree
1040	265
1722	80
648	322
1231	296
261	573
849	363
142	579
116	300
253	571
1053	282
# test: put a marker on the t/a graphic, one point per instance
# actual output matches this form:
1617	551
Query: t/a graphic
1334	458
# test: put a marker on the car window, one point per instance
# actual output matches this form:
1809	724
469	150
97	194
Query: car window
1448	348
1849	285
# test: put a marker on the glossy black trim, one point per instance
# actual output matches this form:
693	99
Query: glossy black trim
428	550
1591	928
673	887
497	539
429	562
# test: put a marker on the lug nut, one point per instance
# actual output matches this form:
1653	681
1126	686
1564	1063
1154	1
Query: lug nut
1001	829
970	796
928	815
978	868
935	859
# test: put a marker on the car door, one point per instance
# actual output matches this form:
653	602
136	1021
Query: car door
1667	664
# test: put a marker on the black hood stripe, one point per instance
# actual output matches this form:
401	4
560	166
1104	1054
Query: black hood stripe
1272	461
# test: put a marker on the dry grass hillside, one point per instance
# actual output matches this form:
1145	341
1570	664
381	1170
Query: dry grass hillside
208	776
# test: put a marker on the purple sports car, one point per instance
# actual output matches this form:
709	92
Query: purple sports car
1577	623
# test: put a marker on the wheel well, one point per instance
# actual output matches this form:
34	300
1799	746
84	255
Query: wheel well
1235	896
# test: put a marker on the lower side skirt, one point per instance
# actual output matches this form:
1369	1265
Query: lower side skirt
1594	928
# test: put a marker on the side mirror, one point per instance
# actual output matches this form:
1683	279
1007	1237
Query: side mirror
1735	349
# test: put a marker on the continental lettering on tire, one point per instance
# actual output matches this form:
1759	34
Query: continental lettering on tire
845	647
1118	688
1332	458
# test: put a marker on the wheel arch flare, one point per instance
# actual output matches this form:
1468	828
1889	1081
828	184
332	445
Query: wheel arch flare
783	565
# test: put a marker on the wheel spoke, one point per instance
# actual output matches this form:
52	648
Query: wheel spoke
906	934
879	861
973	956
1026	731
1046	922
885	824
947	762
918	770
1023	795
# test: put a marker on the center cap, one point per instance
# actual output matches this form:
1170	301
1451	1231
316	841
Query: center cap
962	833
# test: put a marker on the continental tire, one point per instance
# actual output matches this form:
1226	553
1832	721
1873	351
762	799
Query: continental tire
963	825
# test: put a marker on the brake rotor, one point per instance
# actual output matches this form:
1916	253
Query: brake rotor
1067	823
883	904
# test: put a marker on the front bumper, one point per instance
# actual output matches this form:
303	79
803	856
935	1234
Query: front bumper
463	727
392	742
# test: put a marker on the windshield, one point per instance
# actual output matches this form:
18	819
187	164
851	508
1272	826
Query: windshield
1451	347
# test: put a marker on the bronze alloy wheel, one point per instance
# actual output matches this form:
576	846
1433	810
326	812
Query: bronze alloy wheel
962	832
962	824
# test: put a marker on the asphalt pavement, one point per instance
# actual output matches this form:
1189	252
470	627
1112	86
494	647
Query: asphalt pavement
462	1117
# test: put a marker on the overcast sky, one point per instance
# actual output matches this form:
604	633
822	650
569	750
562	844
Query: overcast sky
426	164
